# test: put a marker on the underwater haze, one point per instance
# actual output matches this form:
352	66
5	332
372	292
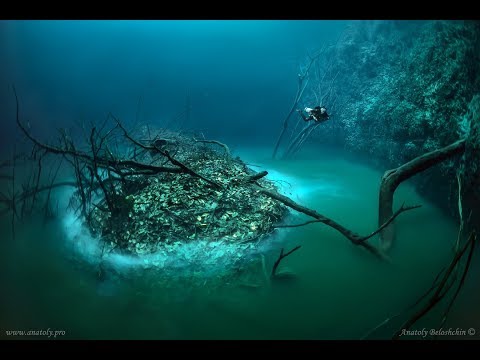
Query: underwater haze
162	226
68	71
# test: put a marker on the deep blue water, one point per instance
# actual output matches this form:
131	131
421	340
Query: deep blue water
239	74
240	78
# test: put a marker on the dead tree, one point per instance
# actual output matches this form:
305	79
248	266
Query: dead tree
14	212
355	238
103	178
25	198
165	153
282	256
298	141
443	287
322	91
392	178
440	289
301	85
225	147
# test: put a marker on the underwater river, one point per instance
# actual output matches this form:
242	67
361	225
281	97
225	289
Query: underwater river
340	290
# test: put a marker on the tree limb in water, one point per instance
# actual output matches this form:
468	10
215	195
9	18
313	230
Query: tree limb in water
227	150
29	193
297	225
387	320
300	89
440	293
350	235
392	178
280	258
103	162
302	140
251	178
384	225
14	208
165	153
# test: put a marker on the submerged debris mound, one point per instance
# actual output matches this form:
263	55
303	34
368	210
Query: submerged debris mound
215	199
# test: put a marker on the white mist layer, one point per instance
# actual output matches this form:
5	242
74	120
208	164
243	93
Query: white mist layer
295	187
202	257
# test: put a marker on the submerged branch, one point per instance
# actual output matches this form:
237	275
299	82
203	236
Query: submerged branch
297	225
393	178
350	235
280	258
182	167
227	150
301	86
440	293
102	162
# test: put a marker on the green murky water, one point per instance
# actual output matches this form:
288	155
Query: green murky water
341	291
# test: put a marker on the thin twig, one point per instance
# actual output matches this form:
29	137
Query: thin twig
460	285
13	193
47	202
300	90
439	293
460	211
350	235
387	320
227	150
402	208
280	258
37	182
182	167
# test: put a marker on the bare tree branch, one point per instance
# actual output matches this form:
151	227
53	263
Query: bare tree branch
101	162
440	293
300	90
392	178
297	225
14	212
165	153
301	135
280	258
227	150
350	235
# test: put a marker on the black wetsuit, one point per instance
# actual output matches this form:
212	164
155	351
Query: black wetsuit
316	115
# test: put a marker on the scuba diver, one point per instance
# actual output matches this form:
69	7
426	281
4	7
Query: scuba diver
318	114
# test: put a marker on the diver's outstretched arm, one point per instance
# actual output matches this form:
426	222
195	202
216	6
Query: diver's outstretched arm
303	115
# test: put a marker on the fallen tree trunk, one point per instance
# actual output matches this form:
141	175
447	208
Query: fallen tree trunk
350	235
392	178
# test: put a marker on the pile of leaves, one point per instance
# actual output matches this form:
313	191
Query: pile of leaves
169	208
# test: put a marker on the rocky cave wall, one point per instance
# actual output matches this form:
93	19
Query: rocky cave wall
405	88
